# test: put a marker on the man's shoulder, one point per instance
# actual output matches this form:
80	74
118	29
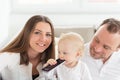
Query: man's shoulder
116	55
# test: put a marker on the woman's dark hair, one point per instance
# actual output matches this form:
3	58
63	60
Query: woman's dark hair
21	43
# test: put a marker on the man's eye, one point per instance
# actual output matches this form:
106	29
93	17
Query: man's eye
106	47
96	41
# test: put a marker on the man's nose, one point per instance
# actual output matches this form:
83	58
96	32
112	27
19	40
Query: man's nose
98	48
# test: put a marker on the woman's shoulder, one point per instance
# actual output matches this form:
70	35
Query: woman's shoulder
9	56
8	59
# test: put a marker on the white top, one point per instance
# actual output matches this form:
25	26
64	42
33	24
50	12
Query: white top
10	68
79	72
99	71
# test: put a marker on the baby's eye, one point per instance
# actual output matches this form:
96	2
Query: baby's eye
64	53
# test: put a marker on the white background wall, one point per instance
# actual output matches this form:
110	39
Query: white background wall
4	20
78	13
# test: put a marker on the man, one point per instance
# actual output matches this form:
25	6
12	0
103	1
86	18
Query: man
102	54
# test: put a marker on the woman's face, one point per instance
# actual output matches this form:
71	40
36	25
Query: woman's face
40	38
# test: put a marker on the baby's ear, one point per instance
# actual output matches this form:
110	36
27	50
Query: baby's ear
79	53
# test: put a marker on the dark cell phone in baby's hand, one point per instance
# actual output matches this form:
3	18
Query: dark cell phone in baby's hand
49	67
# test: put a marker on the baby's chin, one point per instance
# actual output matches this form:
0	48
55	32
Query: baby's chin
67	62
70	63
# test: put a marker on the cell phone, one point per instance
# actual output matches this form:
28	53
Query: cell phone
50	67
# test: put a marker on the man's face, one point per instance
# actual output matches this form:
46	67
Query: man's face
104	43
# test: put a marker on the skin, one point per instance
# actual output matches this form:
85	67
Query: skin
40	39
104	44
68	53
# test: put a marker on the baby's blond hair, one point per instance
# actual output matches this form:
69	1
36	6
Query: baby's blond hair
73	38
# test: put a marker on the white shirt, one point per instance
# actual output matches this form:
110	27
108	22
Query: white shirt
99	71
79	72
11	69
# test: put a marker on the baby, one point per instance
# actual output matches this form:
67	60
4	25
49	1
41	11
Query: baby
70	49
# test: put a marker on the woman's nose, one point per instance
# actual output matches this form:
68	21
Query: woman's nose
43	38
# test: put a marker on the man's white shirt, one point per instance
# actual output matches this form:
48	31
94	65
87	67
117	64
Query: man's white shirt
99	71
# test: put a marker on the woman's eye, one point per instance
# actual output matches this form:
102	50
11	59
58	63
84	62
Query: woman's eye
36	32
49	35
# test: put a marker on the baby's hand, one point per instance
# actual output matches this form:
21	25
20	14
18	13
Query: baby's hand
50	62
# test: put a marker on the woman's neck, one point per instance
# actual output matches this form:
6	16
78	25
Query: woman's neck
34	58
33	55
35	62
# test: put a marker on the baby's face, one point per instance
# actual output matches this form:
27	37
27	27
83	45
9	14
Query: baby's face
67	52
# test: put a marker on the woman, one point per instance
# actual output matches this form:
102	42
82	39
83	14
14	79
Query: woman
23	58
